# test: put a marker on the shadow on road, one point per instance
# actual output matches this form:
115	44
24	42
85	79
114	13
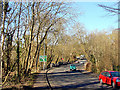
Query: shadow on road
71	73
76	86
65	72
65	76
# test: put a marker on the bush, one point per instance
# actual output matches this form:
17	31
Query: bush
116	68
93	68
88	67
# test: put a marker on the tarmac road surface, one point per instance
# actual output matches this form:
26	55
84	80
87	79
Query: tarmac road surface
62	78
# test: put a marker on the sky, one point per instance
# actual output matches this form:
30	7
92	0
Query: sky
94	17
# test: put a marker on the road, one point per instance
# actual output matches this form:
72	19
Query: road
62	77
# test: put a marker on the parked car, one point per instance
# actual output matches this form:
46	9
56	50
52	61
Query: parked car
64	63
72	67
81	62
52	65
60	63
82	57
76	61
110	77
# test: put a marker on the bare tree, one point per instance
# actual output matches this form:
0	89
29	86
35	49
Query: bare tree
114	11
24	32
18	41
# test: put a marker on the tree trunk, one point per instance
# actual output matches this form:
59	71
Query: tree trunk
18	53
8	54
5	7
38	57
31	31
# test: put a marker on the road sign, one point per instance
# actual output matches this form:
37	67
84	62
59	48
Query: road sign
43	58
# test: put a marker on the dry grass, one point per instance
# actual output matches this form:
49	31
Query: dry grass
25	81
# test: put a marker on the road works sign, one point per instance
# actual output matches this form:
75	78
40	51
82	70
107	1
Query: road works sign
43	58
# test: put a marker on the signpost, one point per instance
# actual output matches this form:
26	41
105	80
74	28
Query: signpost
43	59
